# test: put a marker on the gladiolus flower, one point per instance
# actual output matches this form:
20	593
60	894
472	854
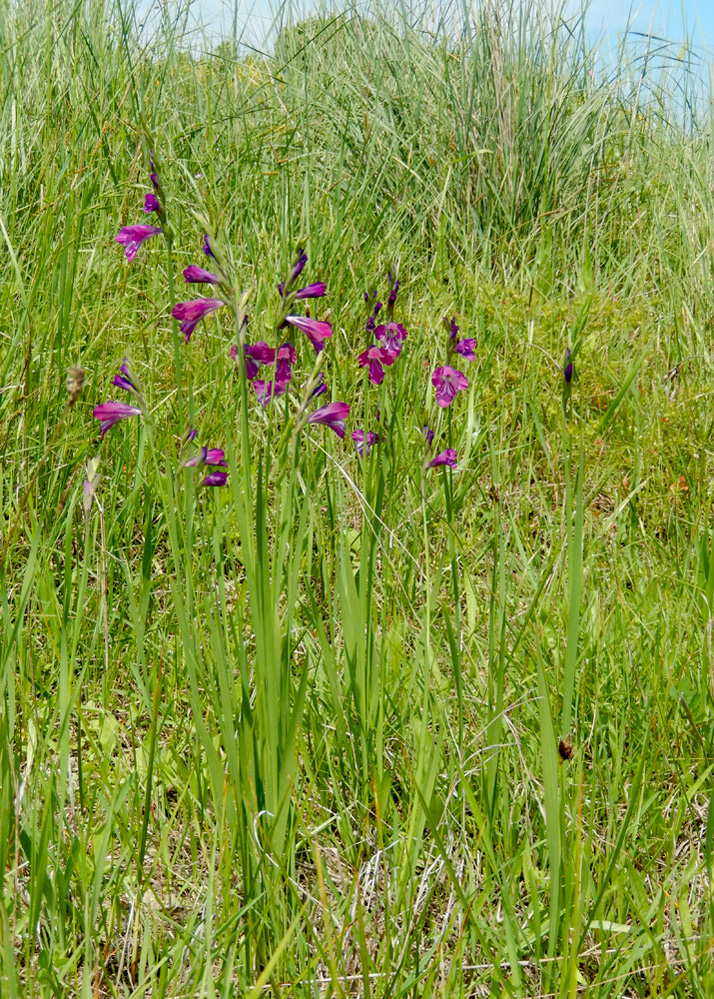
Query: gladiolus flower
428	433
451	327
207	246
568	368
466	348
363	442
447	457
393	296
191	313
109	413
392	336
256	355
316	330
265	391
448	382
375	357
333	415
298	266
132	236
128	381
208	456
316	290
215	479
151	203
283	366
198	275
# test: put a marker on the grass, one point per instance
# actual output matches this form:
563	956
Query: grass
303	735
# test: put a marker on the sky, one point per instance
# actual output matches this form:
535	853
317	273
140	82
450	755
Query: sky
675	20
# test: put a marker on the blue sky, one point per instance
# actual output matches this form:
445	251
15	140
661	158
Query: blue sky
673	19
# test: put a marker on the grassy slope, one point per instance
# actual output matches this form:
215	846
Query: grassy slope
433	843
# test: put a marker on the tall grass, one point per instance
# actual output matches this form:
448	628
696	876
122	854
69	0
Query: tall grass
305	734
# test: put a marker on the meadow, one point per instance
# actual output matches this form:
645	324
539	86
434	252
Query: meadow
379	664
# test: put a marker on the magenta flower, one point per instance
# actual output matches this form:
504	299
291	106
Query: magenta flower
215	479
208	456
448	382
132	236
284	365
316	330
197	275
298	266
333	415
467	349
392	336
265	391
375	357
447	457
151	203
256	355
316	290
109	413
451	327
363	442
127	380
191	313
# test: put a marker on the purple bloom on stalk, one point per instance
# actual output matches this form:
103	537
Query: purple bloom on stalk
467	349
393	296
363	442
127	380
392	336
132	236
215	479
428	433
256	355
109	413
207	246
568	369
285	359
298	266
447	457
266	390
451	327
448	382
316	330
333	415
198	275
319	386
316	290
154	179
374	357
208	456
151	203
191	313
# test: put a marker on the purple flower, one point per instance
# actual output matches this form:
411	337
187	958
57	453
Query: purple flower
208	456
132	236
392	336
215	479
568	368
319	386
207	246
428	433
109	413
448	382
375	357
447	457
316	290
467	349
191	313
393	296
265	391
298	266
127	380
333	415
256	355
363	442
451	327
154	179
316	330
151	203
197	275
285	359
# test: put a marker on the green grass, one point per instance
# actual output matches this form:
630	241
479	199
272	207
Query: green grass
300	736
